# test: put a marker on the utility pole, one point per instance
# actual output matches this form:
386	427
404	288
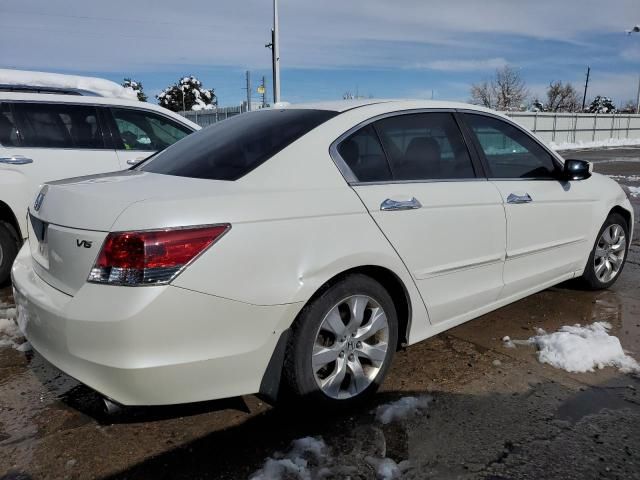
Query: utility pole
586	85
638	98
248	75
276	54
264	94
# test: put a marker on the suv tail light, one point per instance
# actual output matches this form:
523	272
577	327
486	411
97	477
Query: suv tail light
151	257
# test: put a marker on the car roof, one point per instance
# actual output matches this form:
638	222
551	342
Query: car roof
387	104
93	100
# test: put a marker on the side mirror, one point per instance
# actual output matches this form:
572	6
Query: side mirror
576	170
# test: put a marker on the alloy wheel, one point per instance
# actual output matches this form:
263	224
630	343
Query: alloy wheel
350	347
609	254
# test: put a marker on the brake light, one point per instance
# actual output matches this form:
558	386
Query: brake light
151	257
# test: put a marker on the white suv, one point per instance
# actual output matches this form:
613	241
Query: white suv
50	133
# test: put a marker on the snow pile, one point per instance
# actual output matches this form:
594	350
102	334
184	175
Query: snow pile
300	462
635	191
101	86
583	349
609	142
10	335
400	409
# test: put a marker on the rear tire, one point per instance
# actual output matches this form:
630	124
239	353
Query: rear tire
8	250
608	255
342	343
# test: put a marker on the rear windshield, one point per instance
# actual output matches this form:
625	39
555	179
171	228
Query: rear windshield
232	148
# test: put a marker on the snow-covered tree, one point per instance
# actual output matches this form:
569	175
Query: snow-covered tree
187	94
506	91
537	106
136	87
602	104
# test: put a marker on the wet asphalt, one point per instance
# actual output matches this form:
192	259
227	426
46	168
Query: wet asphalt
496	412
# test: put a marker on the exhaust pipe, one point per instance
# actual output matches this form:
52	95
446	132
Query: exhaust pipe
111	407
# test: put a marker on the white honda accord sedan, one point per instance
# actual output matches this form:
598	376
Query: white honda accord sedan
296	249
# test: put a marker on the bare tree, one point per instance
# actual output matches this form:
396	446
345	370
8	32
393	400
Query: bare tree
482	94
562	98
628	107
506	91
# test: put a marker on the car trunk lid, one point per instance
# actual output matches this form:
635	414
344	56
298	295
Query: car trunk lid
70	219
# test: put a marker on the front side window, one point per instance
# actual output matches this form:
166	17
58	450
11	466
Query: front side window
425	146
232	148
147	131
58	125
510	152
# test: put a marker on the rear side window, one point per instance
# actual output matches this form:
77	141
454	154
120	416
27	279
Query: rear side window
146	131
232	148
8	128
58	125
364	155
425	146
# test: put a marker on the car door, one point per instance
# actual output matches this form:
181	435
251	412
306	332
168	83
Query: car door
548	220
53	141
420	184
139	133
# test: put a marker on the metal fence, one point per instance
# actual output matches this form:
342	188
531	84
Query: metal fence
204	118
578	127
550	127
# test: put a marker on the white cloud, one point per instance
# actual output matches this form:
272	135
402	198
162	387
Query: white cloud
463	65
123	35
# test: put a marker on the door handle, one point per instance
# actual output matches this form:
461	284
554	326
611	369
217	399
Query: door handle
135	161
515	198
16	160
390	204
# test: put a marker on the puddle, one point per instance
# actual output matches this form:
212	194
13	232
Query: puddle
590	401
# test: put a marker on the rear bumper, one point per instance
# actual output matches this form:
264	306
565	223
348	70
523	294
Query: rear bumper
149	345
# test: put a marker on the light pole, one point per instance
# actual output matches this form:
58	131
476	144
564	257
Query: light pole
636	29
275	53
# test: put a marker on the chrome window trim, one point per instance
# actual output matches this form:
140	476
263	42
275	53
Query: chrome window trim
555	157
432	180
351	178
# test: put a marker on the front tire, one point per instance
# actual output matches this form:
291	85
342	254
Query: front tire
8	251
608	255
342	343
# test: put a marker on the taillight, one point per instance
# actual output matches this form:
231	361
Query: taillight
151	257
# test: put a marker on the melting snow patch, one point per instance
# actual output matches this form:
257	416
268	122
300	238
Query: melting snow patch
297	463
635	191
400	409
386	468
625	178
583	349
10	335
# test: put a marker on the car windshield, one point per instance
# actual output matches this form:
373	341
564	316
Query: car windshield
232	148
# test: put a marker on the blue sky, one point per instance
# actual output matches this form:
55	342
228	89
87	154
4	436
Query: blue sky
383	48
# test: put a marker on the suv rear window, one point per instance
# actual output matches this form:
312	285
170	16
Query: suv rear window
232	148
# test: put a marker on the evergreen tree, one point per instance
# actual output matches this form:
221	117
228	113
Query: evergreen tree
136	87
187	94
602	104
